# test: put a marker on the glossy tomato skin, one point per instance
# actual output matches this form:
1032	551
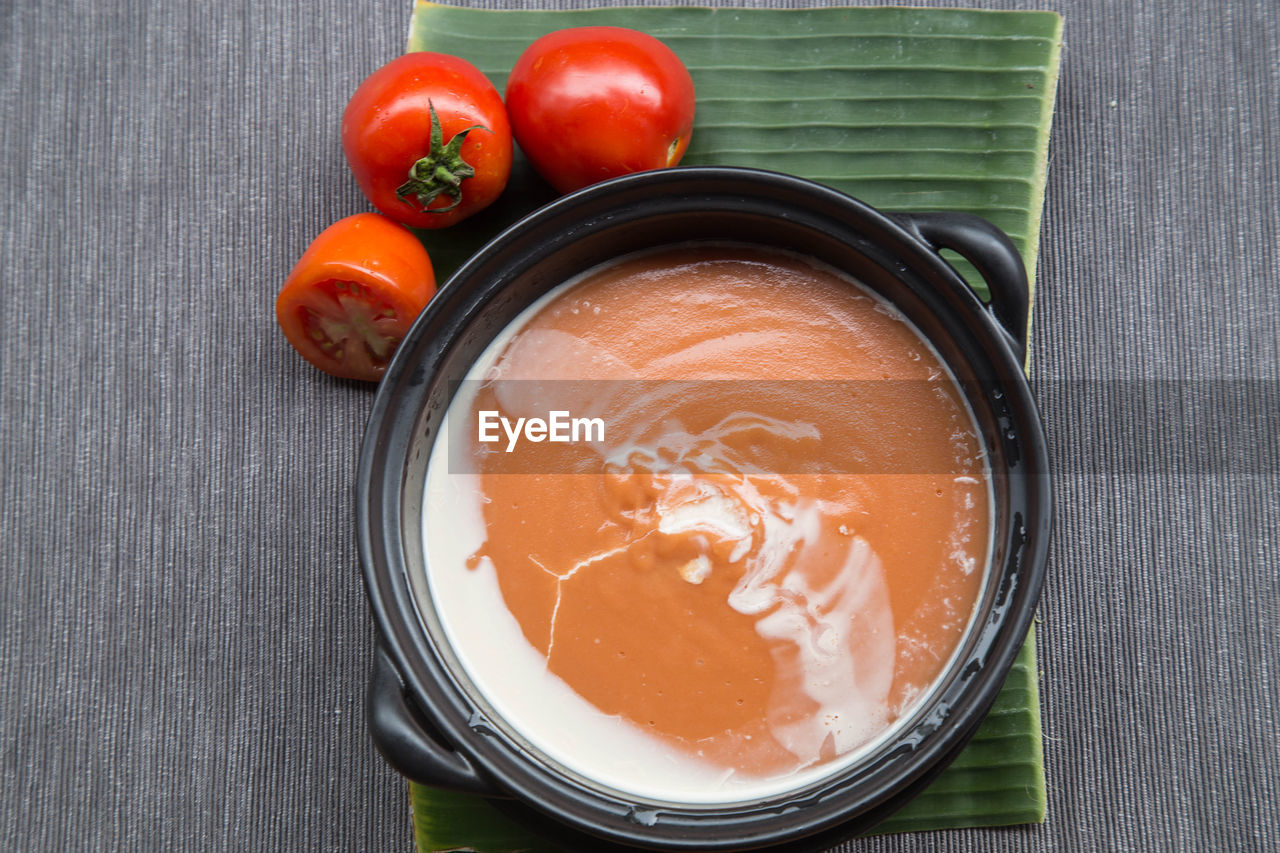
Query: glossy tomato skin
386	129
592	103
354	294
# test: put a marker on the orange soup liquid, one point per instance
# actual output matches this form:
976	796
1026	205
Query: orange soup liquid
759	570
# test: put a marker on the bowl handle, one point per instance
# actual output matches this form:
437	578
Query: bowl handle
406	741
995	257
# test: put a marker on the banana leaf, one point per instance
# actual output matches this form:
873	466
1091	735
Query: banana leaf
907	109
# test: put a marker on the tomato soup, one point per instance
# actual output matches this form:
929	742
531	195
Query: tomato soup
762	560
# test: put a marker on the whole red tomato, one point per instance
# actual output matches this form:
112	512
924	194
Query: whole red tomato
428	139
353	295
592	103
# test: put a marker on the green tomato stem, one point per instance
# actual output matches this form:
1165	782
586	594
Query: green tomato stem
440	172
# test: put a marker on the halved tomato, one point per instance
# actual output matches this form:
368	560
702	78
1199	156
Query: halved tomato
353	295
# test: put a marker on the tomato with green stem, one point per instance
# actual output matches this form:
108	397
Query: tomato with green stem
591	103
354	294
428	139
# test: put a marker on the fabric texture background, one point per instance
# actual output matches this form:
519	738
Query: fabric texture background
184	640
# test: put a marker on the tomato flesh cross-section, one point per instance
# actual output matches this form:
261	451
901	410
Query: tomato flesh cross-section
351	324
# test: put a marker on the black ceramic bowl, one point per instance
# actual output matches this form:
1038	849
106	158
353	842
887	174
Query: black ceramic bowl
427	719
